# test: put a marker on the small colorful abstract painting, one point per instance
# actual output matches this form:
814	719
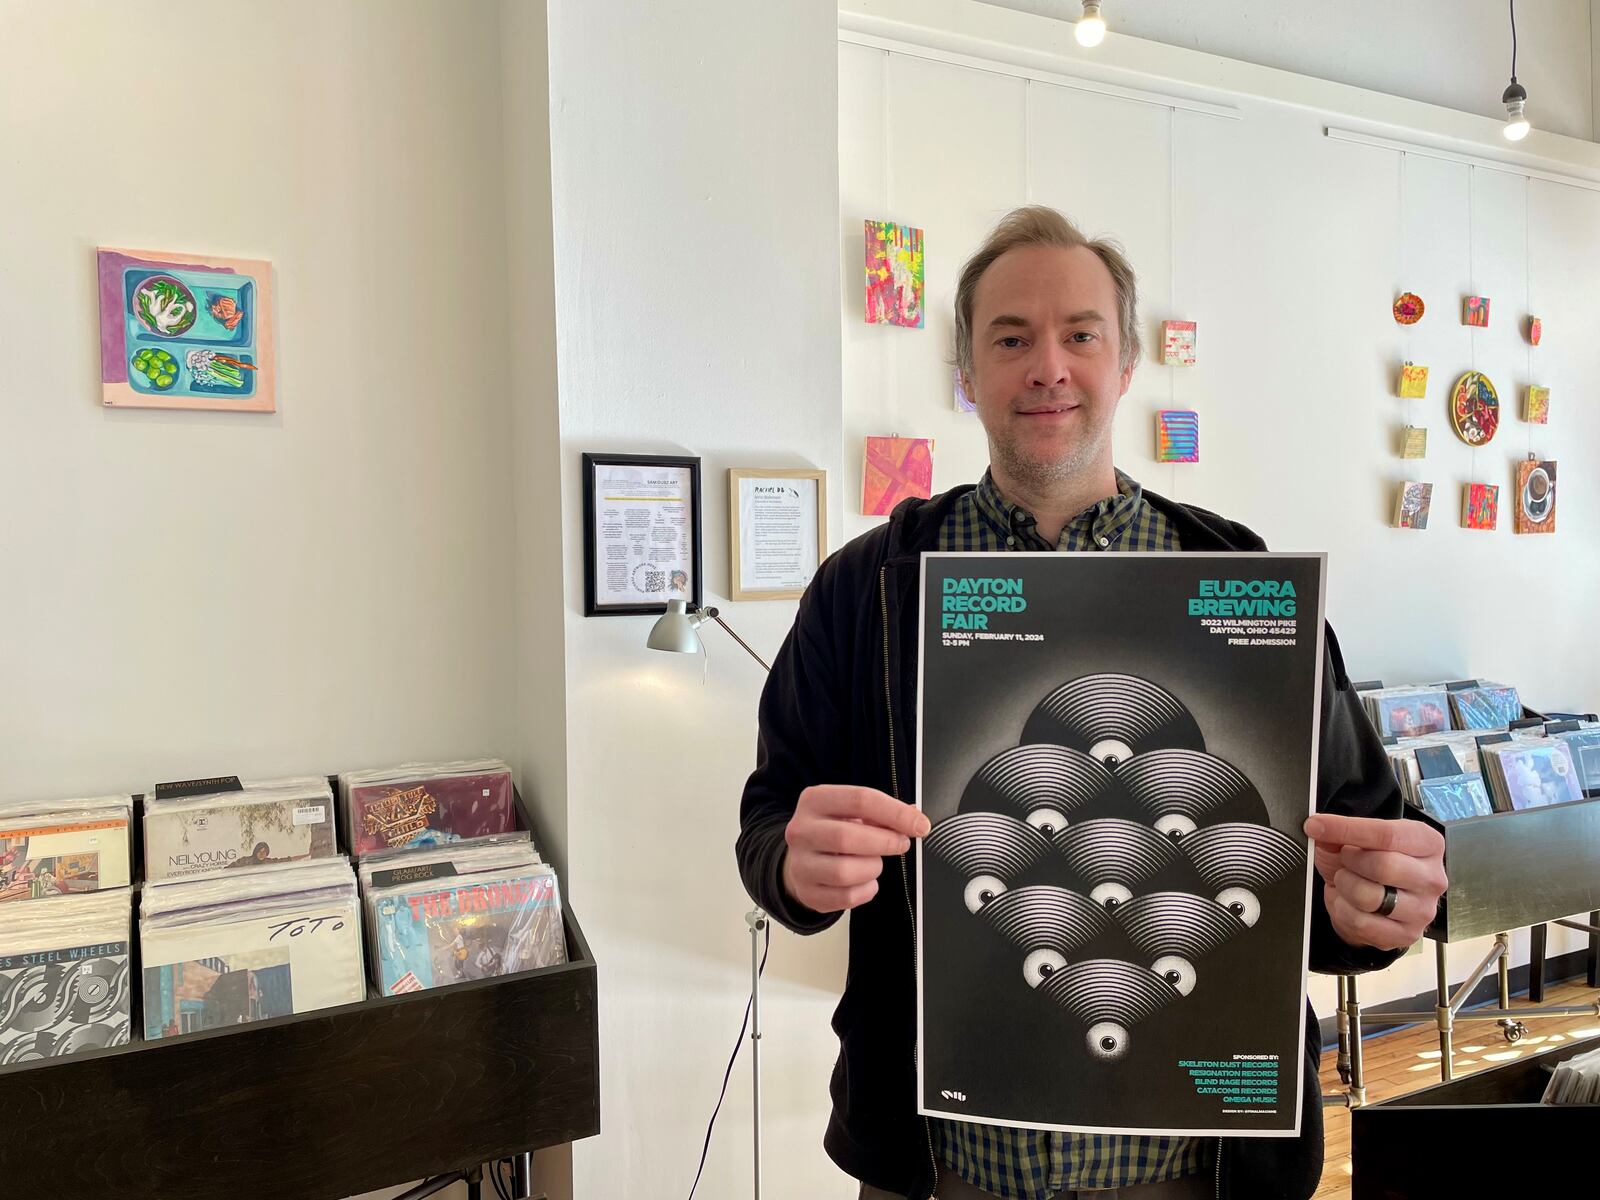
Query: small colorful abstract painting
1535	330
1413	382
1408	308
896	468
894	274
1474	409
964	403
1412	504
1536	497
1178	343
1414	442
185	331
1177	436
1476	312
1480	506
1536	408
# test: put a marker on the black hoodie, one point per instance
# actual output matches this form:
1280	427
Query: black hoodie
839	708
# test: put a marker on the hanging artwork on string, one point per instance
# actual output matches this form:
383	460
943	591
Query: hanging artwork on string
1413	382
1408	308
1474	409
1177	436
1480	506
1535	330
1413	442
1536	408
896	468
1412	504
1178	340
894	274
1476	312
1536	497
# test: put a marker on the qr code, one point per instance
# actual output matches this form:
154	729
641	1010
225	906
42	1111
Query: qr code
655	581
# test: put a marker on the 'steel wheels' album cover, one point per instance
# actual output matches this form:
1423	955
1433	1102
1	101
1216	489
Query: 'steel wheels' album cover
1117	754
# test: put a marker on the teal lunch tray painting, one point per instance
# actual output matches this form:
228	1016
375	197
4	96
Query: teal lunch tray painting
185	331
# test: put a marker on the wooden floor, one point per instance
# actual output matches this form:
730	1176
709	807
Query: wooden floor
1408	1060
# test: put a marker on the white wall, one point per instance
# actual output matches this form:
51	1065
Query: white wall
1454	53
323	587
694	169
1286	247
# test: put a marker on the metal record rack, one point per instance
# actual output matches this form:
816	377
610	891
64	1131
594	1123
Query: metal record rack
321	1105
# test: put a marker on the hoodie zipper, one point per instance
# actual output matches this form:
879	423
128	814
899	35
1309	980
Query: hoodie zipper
1219	1169
905	878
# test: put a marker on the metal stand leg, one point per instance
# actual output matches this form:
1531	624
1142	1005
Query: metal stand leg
522	1176
1536	951
1358	1079
1594	952
1342	1017
475	1184
1446	1015
756	919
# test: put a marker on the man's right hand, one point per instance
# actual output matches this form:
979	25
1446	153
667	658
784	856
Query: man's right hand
838	838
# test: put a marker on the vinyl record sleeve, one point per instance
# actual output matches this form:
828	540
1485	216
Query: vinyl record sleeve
64	976
1117	753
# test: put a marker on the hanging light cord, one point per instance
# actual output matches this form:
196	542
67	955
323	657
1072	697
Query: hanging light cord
1513	4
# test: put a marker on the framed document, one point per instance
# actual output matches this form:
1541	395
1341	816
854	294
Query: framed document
641	533
777	531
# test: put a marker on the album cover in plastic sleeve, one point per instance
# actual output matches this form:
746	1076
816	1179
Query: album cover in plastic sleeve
64	976
261	825
65	847
425	804
447	931
1117	754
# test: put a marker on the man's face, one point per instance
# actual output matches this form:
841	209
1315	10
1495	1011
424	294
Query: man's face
1045	373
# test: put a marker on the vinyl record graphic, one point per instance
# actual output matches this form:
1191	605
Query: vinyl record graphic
1179	791
987	851
1049	925
1113	717
1109	998
1114	860
1176	924
1046	786
1239	862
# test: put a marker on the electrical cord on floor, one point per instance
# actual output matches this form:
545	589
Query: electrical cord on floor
728	1074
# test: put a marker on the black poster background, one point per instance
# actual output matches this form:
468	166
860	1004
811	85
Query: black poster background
990	1047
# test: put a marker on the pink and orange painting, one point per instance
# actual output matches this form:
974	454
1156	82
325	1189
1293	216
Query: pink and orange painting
1476	312
896	469
894	274
1535	331
1480	506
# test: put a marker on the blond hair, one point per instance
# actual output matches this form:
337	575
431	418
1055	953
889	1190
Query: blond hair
1037	225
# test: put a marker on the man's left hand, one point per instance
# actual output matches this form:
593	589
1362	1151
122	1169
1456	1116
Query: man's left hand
1360	859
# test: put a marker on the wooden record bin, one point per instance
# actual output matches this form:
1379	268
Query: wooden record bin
318	1105
1484	1135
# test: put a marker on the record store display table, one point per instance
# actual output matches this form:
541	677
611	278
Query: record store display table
1507	871
319	1105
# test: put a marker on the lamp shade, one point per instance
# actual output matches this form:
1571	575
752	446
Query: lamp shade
674	630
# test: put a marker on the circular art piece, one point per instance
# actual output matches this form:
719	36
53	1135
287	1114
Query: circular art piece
1474	409
1408	308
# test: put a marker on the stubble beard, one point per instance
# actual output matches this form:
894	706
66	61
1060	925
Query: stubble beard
1043	474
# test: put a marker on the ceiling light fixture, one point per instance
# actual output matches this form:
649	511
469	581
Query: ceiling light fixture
1515	97
1091	29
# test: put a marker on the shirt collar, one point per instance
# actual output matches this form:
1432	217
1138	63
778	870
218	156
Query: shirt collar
1101	524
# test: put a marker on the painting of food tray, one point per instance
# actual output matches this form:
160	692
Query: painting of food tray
185	331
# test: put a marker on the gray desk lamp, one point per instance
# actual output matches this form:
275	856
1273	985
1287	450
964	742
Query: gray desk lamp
677	631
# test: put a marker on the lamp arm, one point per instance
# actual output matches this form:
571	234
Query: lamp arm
711	614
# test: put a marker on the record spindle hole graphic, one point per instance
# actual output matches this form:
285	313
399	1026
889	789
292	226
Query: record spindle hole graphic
1173	933
1113	717
1179	791
1046	786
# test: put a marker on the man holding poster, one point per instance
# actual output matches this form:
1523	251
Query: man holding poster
1129	767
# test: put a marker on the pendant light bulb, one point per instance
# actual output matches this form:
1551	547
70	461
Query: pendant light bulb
1515	99
1091	29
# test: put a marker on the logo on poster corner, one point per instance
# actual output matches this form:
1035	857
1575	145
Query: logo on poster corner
949	1095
